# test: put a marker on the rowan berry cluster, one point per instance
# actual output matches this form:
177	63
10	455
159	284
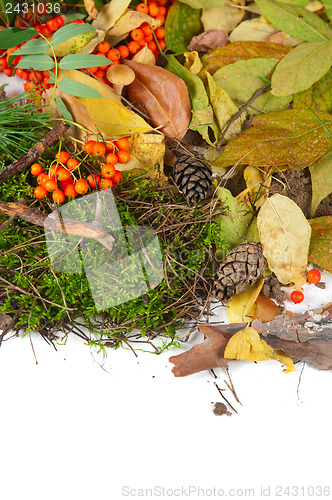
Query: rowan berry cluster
313	276
64	178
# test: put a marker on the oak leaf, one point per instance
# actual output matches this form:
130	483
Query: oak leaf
163	96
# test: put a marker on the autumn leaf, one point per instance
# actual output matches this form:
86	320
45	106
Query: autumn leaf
247	345
182	23
128	22
202	113
285	237
90	7
292	138
266	309
238	51
110	13
222	17
317	97
108	113
308	62
149	150
241	307
260	30
321	180
257	189
208	40
163	96
320	251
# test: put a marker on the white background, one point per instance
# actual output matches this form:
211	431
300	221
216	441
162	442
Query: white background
78	425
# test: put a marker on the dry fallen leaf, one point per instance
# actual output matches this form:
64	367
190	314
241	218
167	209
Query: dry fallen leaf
149	151
210	39
257	189
90	7
224	17
247	345
193	62
163	96
259	30
266	309
110	13
145	56
128	22
285	237
241	307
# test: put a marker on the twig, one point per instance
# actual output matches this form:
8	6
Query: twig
231	386
7	222
35	152
240	112
221	394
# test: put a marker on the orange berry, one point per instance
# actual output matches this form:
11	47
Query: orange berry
124	156
113	55
160	33
88	146
81	186
98	149
110	147
108	170
101	75
51	185
64	184
142	7
44	180
296	296
93	180
93	69
133	47
122	143
106	184
148	38
117	177
152	46
162	10
28	85
72	163
58	196
161	17
103	47
153	10
36	169
146	28
112	158
41	177
40	192
313	276
62	174
53	170
137	34
63	157
124	52
70	191
162	44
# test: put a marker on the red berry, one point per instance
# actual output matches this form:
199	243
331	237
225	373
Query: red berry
296	296
313	276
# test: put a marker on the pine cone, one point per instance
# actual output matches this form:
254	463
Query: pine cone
192	178
242	267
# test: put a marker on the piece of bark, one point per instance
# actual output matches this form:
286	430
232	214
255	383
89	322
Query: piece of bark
207	355
34	153
36	217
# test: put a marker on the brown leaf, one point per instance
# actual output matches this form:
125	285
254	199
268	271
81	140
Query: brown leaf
211	39
207	355
163	96
266	309
90	7
306	336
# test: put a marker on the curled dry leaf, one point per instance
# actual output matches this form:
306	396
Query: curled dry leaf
149	152
257	189
241	307
209	40
145	56
193	62
128	22
110	13
90	7
163	96
73	45
247	345
266	309
285	237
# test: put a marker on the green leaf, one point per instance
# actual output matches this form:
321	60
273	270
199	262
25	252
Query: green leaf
321	180
243	78
69	31
202	112
328	8
10	37
78	89
40	62
63	110
301	68
321	242
35	46
295	20
292	138
182	23
82	60
317	97
235	222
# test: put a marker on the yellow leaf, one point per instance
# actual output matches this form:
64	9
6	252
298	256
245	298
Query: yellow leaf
71	46
149	150
145	56
247	345
128	22
224	17
108	113
257	187
99	37
224	108
285	236
110	13
259	30
193	62
241	307
90	7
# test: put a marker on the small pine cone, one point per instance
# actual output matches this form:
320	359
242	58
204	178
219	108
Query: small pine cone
242	267
192	178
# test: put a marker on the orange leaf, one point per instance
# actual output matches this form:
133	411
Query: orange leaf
163	96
